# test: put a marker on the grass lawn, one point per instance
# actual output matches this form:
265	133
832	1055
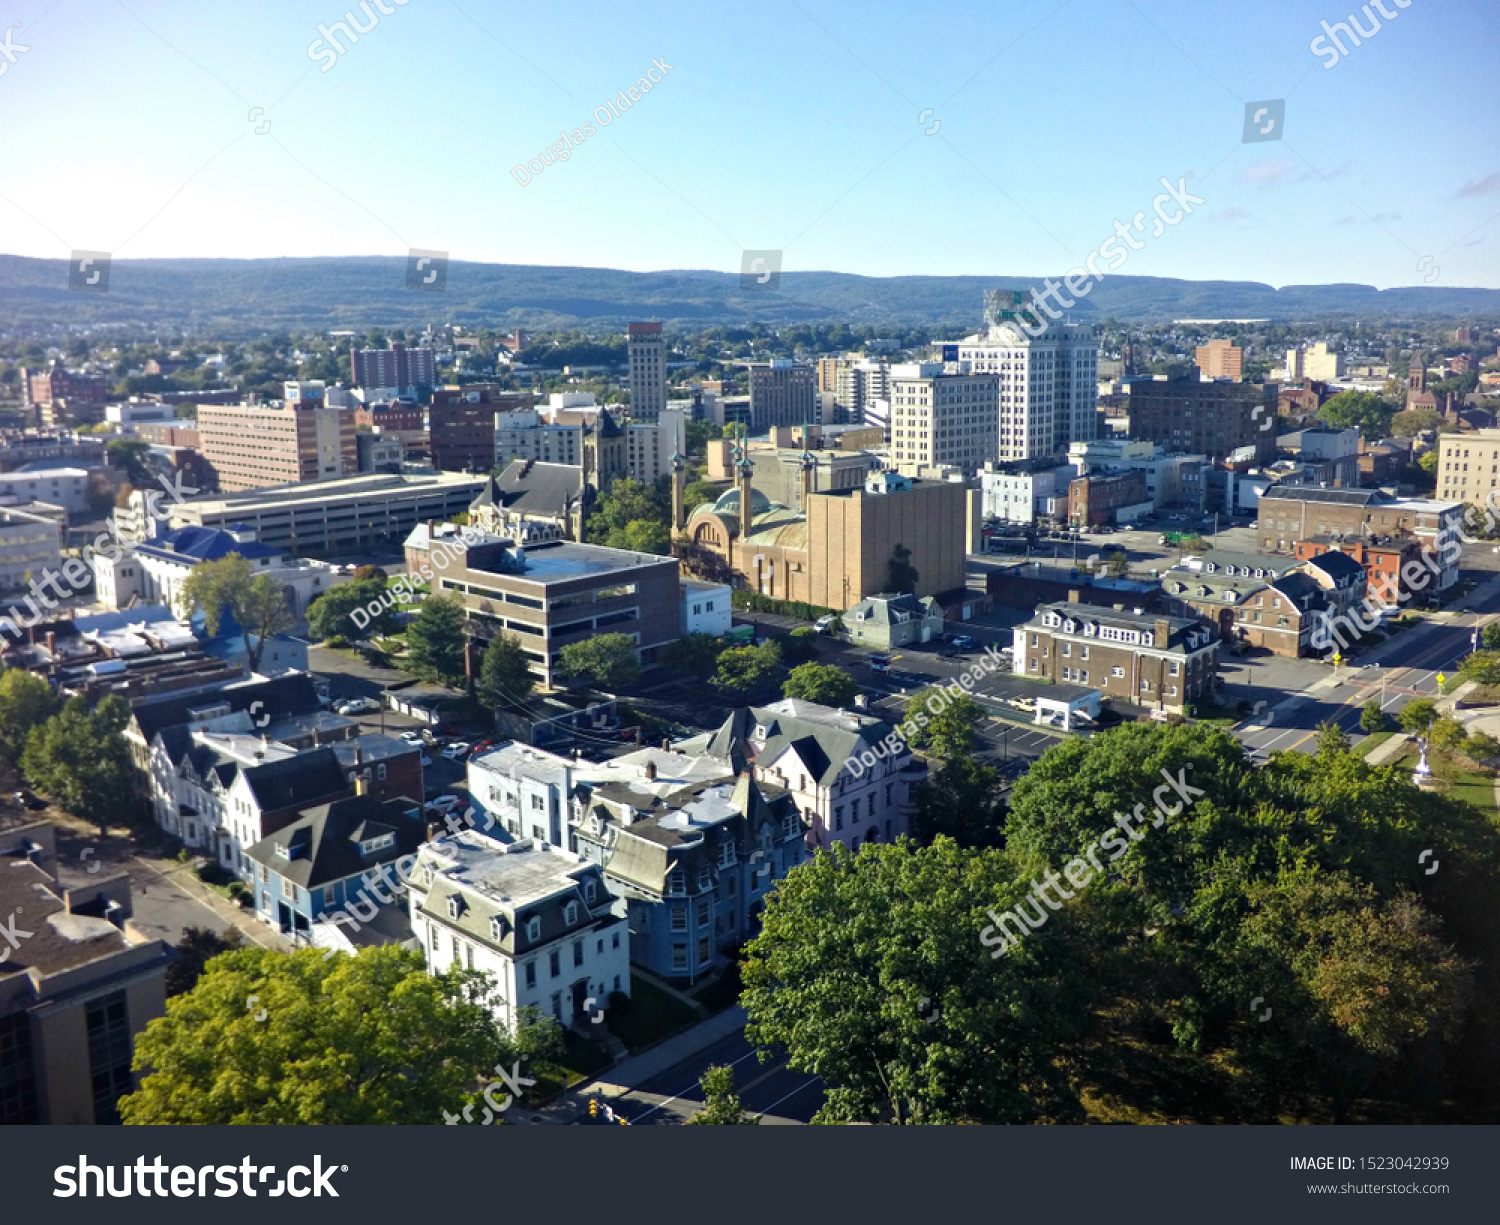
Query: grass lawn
722	993
1220	716
582	1060
1471	785
1373	741
651	1016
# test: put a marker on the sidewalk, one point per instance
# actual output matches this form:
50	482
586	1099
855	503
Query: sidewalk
1387	749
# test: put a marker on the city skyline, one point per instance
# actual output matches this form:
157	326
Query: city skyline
1012	150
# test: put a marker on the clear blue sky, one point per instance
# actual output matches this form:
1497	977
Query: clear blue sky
790	124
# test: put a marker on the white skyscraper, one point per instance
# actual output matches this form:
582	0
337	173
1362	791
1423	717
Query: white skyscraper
1048	385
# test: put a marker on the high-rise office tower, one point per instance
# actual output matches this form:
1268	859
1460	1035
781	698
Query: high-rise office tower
647	355
1049	384
943	415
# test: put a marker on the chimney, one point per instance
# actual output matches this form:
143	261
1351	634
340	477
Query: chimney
650	771
1073	595
1163	633
358	756
666	744
361	784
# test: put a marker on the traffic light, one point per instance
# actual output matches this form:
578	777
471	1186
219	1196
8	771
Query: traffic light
593	1107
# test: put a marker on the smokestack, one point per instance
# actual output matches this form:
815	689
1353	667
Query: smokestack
650	771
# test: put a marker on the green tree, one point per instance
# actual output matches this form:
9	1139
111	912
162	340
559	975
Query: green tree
132	456
696	493
952	732
368	1039
606	661
1362	410
1490	636
26	701
198	946
721	1105
1446	734
902	575
695	654
505	677
331	614
257	606
371	574
79	758
1428	462
744	670
647	536
800	645
1371	718
1482	667
961	800
866	971
1331	738
435	640
821	683
1417	715
628	502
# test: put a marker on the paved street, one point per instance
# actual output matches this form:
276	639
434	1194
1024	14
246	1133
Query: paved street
770	1088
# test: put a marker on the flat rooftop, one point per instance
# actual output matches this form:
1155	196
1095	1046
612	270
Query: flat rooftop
559	561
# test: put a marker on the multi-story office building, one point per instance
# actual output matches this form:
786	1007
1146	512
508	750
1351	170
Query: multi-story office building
1048	385
380	452
943	414
1469	468
30	546
646	354
64	487
856	383
539	920
336	516
782	392
1313	362
1215	419
650	445
1019	492
397	373
1153	661
556	593
301	440
1172	481
462	425
76	987
1219	359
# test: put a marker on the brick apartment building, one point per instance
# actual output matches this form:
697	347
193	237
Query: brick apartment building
461	425
59	383
1259	605
394	373
1387	564
1292	513
1219	359
1214	418
1156	661
1094	499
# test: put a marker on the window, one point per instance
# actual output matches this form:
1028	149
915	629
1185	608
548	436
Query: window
578	952
703	913
615	941
554	963
533	928
380	771
108	1025
679	957
570	913
328	895
679	918
703	950
838	816
726	851
497	928
455	906
531	974
1117	671
676	885
588	890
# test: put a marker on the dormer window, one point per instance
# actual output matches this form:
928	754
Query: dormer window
726	852
589	889
676	885
455	906
281	851
370	845
570	913
497	928
760	731
533	929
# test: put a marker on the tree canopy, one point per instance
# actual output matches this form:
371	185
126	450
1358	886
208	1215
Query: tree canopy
435	640
330	615
80	759
257	605
743	670
607	661
505	677
365	1039
821	683
26	701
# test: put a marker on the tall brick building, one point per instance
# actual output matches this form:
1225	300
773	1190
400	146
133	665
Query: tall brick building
1213	419
461	425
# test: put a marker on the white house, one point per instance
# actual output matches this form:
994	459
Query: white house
538	919
706	608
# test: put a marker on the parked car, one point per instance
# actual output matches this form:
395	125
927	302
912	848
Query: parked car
879	661
822	624
412	737
962	642
457	751
357	706
445	804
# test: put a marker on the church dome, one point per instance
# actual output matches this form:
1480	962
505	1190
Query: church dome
729	502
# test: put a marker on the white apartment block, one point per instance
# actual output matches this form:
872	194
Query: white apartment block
1016	497
30	545
539	920
1048	385
650	445
942	415
1314	362
858	382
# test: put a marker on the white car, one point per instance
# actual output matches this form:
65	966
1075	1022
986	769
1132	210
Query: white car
357	706
444	804
822	624
456	751
412	738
